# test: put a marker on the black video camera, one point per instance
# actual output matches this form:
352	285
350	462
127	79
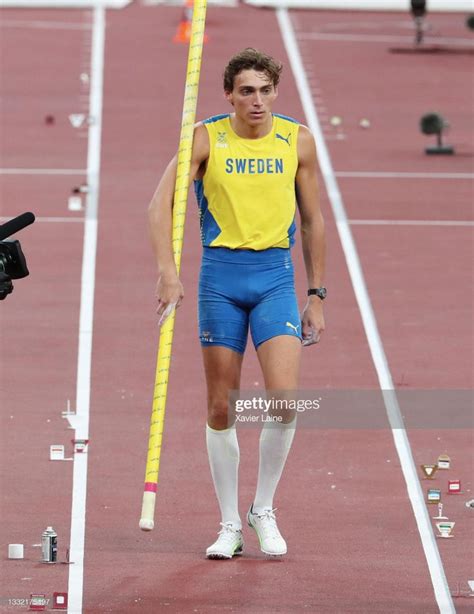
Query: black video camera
12	259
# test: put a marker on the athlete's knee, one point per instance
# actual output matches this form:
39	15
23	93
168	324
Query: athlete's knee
218	414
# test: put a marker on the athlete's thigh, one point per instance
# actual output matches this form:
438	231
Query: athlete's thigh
222	367
276	331
279	359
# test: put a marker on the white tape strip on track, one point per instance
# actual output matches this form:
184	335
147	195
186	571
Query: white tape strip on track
464	6
63	4
427	223
402	445
42	171
86	317
395	175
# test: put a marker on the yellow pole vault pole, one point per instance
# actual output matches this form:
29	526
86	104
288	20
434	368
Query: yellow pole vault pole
193	71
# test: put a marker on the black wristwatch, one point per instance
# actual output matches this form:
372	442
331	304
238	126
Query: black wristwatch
321	292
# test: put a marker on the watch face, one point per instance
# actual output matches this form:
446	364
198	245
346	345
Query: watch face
320	292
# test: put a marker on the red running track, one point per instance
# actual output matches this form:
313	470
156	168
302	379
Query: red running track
343	505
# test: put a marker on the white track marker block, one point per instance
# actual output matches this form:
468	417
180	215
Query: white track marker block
77	119
16	551
74	203
56	452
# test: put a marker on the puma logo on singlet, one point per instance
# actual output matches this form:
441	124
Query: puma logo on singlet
295	328
287	139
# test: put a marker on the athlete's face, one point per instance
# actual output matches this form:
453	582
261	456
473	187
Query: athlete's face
252	97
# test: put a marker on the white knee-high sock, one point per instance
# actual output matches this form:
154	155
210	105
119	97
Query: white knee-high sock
224	456
275	443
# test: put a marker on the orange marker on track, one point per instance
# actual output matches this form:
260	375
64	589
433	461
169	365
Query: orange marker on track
183	33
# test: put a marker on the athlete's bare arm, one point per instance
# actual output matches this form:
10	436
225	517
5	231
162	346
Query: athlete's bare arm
169	289
312	233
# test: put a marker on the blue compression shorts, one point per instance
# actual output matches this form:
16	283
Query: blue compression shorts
238	288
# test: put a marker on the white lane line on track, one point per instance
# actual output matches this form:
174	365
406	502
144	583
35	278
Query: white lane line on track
401	175
46	25
86	317
66	220
411	222
402	445
43	171
384	38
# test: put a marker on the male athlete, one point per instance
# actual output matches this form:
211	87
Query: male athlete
251	169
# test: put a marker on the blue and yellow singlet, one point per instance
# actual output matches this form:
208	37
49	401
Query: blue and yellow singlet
247	196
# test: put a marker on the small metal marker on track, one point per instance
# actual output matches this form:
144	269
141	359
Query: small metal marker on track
429	471
444	461
59	601
440	513
80	445
445	529
38	602
454	487
433	495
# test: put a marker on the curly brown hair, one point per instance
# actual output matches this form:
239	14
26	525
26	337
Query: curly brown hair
249	59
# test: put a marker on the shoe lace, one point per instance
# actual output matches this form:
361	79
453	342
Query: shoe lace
269	525
227	532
